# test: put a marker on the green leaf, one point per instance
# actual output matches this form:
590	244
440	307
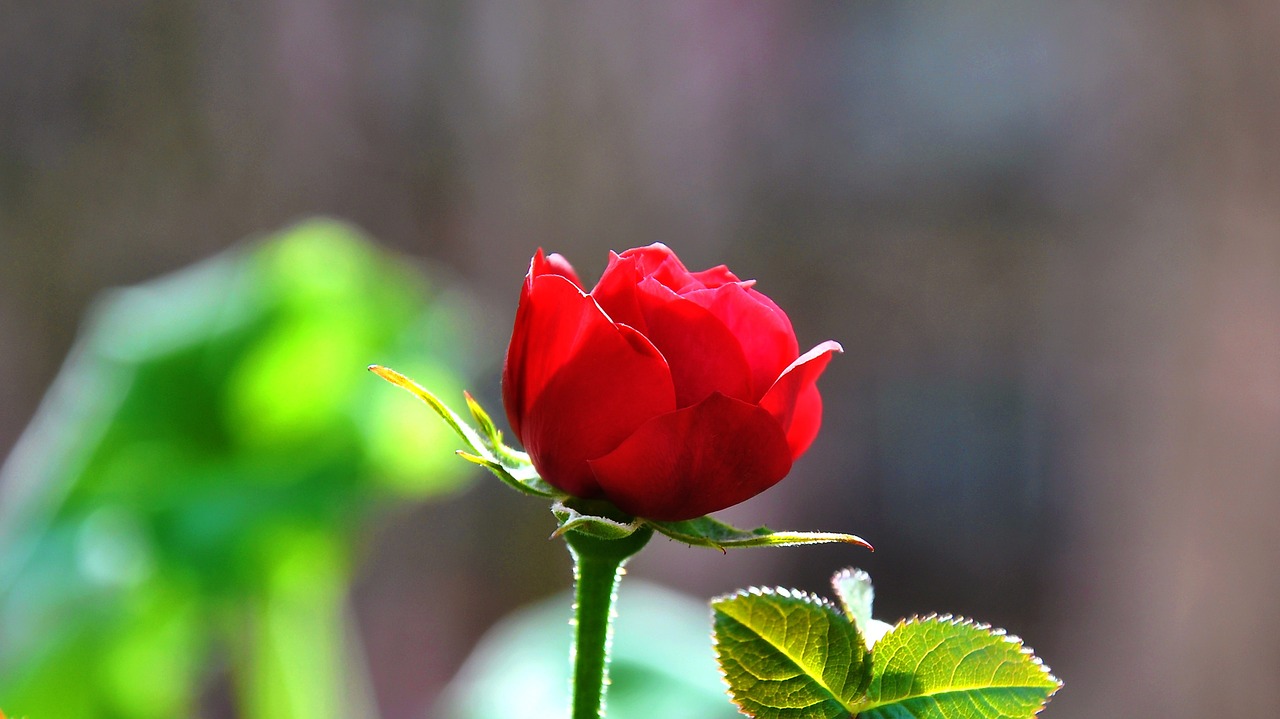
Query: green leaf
710	532
487	450
950	668
853	587
789	655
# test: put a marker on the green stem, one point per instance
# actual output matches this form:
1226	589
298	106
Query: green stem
597	567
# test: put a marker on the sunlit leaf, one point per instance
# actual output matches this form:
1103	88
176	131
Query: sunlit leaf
789	655
853	588
950	668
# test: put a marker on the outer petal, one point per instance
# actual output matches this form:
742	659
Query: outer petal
794	398
583	384
514	375
554	264
807	419
696	460
513	366
763	331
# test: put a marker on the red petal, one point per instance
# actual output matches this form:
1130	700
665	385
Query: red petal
554	264
548	324
714	277
794	398
580	384
660	263
616	291
513	380
514	390
806	420
696	460
704	356
762	329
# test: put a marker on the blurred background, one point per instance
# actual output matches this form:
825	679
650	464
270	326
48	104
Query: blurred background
1047	234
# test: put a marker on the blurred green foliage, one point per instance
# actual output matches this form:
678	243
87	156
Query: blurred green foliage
662	662
192	489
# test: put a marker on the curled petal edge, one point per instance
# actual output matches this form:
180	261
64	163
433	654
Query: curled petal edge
793	399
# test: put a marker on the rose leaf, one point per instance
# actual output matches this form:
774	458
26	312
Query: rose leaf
942	667
853	587
789	655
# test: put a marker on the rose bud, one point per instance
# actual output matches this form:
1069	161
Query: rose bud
669	393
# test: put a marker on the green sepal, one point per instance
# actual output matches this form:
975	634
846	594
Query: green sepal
510	465
710	532
529	485
594	525
487	428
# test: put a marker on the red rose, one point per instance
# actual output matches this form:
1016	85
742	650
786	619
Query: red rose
670	393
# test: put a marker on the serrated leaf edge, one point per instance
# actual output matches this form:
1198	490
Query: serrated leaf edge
960	621
779	591
852	573
957	620
798	594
